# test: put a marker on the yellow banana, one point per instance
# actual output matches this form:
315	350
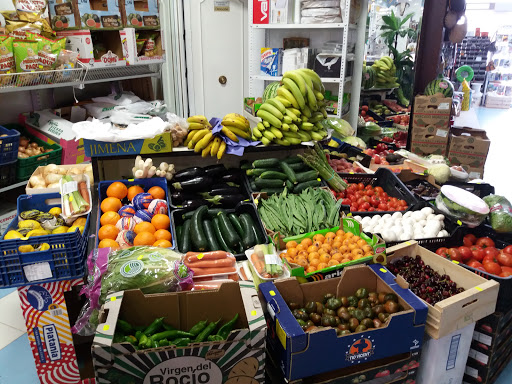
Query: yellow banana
201	144
269	118
199	119
190	136
239	132
256	132
198	136
235	123
266	124
265	141
215	146
298	80
229	134
261	127
207	150
283	101
195	126
286	94
271	109
276	132
236	116
269	135
222	149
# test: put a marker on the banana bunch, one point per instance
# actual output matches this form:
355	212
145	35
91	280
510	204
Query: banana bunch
201	139
234	126
295	114
386	73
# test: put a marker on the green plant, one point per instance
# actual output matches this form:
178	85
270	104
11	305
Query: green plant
404	71
393	28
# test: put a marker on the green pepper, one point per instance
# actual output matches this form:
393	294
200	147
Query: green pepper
198	328
226	329
181	342
168	327
124	326
139	328
118	338
131	339
153	344
138	335
143	341
206	332
154	326
171	335
215	338
163	343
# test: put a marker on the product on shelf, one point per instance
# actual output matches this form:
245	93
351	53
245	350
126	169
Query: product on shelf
76	195
342	165
145	169
266	263
369	78
440	85
210	263
317	160
367	198
500	213
49	176
386	73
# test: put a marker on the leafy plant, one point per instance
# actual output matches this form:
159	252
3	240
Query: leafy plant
404	71
393	28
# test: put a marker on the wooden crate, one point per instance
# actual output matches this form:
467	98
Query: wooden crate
476	302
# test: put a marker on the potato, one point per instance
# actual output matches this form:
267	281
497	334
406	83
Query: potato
247	368
242	380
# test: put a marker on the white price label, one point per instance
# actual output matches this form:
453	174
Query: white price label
479	58
39	271
442	133
479	356
443	106
56	312
271	259
471	372
69	187
478	336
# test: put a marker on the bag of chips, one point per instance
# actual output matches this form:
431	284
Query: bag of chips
7	64
27	60
48	50
140	46
30	10
150	47
19	29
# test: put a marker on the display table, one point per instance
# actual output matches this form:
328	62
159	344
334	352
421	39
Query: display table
467	119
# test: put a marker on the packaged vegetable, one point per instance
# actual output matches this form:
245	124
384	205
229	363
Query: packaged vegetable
462	205
501	213
75	195
48	50
26	55
266	262
210	263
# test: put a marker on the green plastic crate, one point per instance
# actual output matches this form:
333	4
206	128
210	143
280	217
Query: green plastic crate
25	167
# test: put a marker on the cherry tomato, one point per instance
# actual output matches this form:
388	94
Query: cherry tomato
360	186
379	189
485	242
370	192
508	249
353	208
454	254
443	251
478	252
465	253
375	201
505	259
366	206
371	209
469	240
492	268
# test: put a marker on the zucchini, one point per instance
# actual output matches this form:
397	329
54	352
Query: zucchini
212	212
289	185
196	228
271	191
268	183
188	215
307	176
236	224
245	166
253	186
265	163
255	171
306	184
213	245
261	237
293	160
297	167
185	245
218	235
228	232
179	234
273	175
289	172
249	238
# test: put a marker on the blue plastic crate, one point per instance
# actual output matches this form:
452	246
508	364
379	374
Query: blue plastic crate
66	256
144	184
9	145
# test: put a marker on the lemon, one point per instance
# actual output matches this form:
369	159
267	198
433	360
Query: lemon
12	235
61	229
32	224
37	232
43	247
55	211
74	227
26	248
80	222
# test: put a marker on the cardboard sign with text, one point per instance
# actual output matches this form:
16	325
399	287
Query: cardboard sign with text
468	148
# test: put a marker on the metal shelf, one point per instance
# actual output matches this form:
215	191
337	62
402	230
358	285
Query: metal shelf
14	186
99	75
332	80
300	26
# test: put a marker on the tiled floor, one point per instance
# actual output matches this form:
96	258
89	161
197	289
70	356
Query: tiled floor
17	364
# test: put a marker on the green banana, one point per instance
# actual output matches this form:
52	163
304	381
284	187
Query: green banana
276	132
305	119
269	135
306	111
282	142
317	82
265	141
271	109
294	140
304	136
324	112
297	78
295	111
307	126
285	127
256	132
283	101
287	119
294	89
291	134
307	79
311	98
267	116
261	127
319	125
290	115
319	95
294	127
316	136
283	92
276	103
266	124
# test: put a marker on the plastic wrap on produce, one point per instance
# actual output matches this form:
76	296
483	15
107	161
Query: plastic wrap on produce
315	12
150	269
320	4
320	19
124	98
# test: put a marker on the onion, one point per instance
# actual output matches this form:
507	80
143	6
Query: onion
36	180
62	171
50	168
30	151
74	171
21	149
34	145
24	142
52	178
53	185
22	155
88	168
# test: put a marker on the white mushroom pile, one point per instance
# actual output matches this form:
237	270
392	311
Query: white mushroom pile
144	169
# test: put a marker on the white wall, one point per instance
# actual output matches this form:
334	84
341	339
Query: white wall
488	21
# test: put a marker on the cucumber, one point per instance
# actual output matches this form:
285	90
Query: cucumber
289	172
273	175
249	238
179	234
228	232
289	185
236	224
271	191
306	184
185	244
212	212
253	186
209	232
260	236
307	176
293	160
188	215
265	163
218	235
299	167
255	171
196	229
268	183
245	166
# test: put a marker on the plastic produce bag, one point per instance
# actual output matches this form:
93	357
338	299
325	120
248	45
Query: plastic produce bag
501	213
150	269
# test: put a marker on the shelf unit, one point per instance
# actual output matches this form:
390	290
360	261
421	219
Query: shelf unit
270	35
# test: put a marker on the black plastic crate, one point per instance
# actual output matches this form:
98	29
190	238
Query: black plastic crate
177	220
8	173
504	302
389	182
351	151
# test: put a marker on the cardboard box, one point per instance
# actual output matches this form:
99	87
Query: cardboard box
260	11
303	354
82	42
132	51
479	373
48	126
280	12
271	61
456	312
240	359
430	127
47	318
39	171
443	361
251	106
140	14
468	148
5	220
87	14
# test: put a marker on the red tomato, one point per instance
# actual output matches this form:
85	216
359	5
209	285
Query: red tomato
478	252
363	113
454	254
375	201
506	269
376	159
443	251
485	242
476	264
364	108
346	202
366	206
353	208
342	194
469	240
491	251
490	259
379	189
465	253
360	186
371	209
505	259
505	274
383	207
492	268
369	192
508	249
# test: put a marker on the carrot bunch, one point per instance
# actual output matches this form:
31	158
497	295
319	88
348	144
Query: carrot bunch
210	263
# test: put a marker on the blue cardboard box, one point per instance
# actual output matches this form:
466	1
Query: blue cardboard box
271	61
302	354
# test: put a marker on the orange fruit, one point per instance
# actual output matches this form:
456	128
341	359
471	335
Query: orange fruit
108	231
357	251
367	249
333	262
157	193
144	227
292	252
340	232
313	255
303	254
111	204
314	262
321	266
161	221
312	248
109	217
319	237
300	247
108	243
361	243
310	269
134	190
163	234
302	262
343	249
162	243
337	256
327	247
324	258
117	189
306	242
356	239
291	244
144	238
348	235
330	235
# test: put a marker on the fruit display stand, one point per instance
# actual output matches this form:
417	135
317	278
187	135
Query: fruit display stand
477	301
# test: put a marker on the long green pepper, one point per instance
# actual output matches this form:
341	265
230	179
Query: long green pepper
198	328
225	330
170	335
207	332
154	326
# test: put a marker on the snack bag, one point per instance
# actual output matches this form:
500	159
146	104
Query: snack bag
66	60
7	64
27	60
30	10
48	50
19	29
140	46
10	15
150	47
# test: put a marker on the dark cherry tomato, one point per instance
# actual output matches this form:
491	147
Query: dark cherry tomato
485	242
469	240
465	253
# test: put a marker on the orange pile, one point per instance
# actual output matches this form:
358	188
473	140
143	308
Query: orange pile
326	251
